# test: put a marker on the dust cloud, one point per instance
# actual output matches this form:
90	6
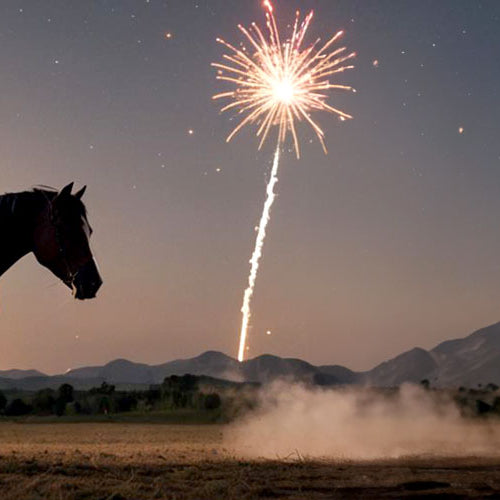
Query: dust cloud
359	424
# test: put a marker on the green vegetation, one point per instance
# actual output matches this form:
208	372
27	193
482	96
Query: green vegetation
193	400
186	399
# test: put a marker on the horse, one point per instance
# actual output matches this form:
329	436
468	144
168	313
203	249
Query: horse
53	225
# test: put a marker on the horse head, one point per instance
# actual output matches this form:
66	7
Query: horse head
61	242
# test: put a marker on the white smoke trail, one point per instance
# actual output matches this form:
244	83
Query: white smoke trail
257	253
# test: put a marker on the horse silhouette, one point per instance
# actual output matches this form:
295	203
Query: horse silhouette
53	225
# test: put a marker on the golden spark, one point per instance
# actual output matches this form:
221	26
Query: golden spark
281	83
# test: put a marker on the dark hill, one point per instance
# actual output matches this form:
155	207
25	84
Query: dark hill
467	361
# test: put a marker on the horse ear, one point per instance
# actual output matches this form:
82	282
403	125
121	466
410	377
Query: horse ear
80	193
66	191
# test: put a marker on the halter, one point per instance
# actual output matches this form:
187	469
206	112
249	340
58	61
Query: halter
60	247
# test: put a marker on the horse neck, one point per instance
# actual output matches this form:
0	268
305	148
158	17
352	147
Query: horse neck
18	213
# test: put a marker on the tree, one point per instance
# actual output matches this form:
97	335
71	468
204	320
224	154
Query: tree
65	396
105	405
212	401
180	392
65	393
482	407
44	401
104	388
17	407
126	402
189	383
73	408
425	384
3	401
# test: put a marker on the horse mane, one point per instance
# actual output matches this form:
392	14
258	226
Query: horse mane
37	196
44	188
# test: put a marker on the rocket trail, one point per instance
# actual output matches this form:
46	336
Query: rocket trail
257	253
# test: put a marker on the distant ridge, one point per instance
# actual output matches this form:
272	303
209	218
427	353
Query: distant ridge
18	374
467	361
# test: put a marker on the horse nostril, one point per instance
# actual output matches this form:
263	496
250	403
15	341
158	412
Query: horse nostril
88	281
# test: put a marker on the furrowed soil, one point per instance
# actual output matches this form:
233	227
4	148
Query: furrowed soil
144	461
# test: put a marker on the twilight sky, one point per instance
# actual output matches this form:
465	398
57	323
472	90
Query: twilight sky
389	242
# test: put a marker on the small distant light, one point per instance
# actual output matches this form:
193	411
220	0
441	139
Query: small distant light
342	118
91	146
218	169
56	61
461	130
269	332
168	35
190	131
375	63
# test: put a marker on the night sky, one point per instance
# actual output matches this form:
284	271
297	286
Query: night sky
389	242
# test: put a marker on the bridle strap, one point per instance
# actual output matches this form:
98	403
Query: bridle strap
60	247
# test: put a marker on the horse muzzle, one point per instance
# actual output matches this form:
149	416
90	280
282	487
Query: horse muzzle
87	281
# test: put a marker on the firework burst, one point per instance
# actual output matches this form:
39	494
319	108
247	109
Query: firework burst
279	83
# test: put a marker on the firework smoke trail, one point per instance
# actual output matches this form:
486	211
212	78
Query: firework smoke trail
278	83
257	253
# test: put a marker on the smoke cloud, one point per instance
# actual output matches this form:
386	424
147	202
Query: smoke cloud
359	424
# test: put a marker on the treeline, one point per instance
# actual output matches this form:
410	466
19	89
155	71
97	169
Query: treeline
201	397
481	401
174	393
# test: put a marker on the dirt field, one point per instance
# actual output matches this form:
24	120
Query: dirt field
141	461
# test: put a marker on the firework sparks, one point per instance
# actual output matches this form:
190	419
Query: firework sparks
278	84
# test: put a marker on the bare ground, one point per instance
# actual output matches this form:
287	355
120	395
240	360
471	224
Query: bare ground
143	461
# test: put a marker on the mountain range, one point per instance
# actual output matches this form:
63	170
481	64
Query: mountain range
468	361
